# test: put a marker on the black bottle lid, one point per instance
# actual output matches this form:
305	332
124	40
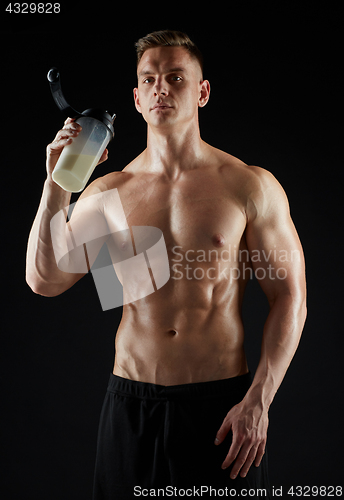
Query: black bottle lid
97	113
103	116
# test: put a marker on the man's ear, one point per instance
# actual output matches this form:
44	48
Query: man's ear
204	94
136	99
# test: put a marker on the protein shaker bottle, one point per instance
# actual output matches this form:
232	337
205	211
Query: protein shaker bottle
78	159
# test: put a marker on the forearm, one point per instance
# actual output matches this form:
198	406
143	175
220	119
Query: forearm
281	336
42	273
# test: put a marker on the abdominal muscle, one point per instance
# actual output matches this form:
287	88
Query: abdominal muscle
186	332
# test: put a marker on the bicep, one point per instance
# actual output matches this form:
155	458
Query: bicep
274	246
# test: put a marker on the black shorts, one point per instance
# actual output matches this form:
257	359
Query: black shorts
158	441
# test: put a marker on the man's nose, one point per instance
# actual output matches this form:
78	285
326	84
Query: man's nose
160	88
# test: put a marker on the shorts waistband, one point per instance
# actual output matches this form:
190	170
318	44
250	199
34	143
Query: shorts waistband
145	390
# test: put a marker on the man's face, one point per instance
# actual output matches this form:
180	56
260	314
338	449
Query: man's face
170	87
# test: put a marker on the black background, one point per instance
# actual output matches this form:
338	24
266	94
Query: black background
275	102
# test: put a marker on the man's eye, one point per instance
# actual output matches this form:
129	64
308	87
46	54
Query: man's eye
176	78
148	80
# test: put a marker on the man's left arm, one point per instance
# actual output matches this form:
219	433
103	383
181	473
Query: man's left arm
272	238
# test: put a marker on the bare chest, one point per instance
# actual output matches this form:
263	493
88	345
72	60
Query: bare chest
193	216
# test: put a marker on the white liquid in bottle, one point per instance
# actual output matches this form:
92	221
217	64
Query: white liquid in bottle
78	159
74	171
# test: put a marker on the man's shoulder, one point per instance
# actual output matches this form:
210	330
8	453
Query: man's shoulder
251	185
262	192
109	181
233	167
237	172
117	179
112	180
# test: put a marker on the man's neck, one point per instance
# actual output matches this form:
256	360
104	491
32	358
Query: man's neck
172	152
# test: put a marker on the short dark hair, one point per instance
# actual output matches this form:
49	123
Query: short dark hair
168	38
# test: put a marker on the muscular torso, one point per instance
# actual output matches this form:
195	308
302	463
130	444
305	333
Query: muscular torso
190	330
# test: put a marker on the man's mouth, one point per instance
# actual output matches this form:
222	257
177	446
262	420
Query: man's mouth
161	106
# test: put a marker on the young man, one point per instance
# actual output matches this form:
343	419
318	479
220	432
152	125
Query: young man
181	409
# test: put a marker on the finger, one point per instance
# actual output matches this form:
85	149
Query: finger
240	461
69	120
64	134
260	454
71	130
249	461
232	454
56	147
223	431
103	157
71	126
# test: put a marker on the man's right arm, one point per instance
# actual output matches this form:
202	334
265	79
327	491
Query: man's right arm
42	273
